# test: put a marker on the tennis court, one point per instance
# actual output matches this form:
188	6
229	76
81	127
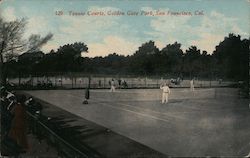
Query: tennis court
208	122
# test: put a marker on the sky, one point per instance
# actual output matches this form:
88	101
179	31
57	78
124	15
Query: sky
203	23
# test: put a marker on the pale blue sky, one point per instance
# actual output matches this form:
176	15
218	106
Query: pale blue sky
124	34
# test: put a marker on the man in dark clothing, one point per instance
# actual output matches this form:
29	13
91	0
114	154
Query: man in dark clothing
86	96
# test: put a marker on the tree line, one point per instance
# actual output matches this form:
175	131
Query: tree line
229	60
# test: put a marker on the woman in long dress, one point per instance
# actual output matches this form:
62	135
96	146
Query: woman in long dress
19	123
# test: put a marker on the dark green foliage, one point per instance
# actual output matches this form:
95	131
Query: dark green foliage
232	56
173	58
144	60
229	60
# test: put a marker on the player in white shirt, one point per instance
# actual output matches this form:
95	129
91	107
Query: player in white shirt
112	88
165	93
192	85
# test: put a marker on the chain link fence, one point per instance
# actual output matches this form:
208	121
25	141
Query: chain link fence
78	81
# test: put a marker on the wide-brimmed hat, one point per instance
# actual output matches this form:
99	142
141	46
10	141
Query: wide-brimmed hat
11	97
2	89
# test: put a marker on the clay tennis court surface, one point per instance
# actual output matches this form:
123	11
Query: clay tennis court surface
208	122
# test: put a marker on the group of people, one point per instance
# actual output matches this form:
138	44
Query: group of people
166	91
121	83
164	87
13	123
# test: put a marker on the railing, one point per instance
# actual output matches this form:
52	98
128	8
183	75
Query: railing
40	128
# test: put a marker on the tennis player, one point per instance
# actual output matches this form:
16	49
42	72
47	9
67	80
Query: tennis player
112	88
192	85
165	93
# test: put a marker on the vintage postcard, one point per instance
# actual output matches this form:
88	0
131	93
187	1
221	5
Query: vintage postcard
125	78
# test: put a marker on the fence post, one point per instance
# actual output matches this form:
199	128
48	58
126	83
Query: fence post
157	82
72	82
104	82
37	79
55	81
61	80
47	79
32	81
89	82
19	79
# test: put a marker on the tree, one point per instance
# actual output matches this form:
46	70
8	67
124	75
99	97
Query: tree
66	58
69	56
191	61
143	60
232	57
36	42
147	49
172	55
73	50
12	43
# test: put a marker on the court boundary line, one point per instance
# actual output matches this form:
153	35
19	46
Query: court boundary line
114	107
133	107
140	108
138	113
